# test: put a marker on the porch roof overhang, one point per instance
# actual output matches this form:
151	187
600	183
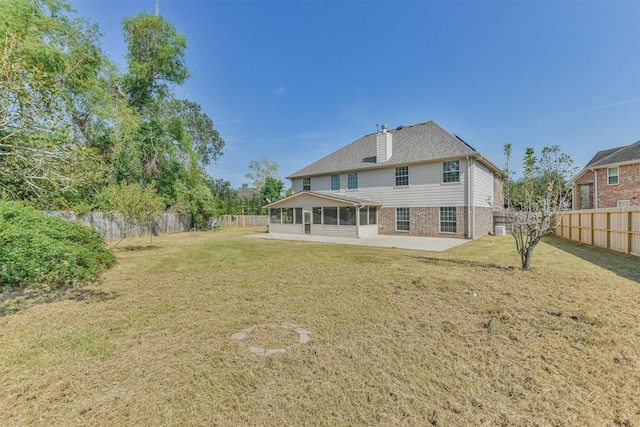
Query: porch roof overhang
335	197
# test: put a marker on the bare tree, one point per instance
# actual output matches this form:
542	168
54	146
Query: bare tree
543	197
260	170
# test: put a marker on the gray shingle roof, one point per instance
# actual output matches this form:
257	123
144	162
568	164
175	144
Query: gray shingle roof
411	144
625	154
340	197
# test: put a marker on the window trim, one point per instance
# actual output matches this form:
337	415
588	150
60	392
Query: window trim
407	221
450	172
349	175
401	176
331	183
440	219
617	175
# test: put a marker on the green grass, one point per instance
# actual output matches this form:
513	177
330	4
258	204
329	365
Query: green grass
398	337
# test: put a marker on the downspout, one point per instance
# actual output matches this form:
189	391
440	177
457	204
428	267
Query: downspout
469	215
595	189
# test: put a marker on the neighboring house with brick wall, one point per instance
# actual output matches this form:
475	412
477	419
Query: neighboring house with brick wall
417	180
611	179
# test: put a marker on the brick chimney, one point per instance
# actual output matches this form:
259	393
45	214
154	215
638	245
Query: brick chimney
383	145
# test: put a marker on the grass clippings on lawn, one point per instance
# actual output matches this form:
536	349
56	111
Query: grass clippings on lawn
397	337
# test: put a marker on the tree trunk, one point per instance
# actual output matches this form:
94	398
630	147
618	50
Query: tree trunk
528	255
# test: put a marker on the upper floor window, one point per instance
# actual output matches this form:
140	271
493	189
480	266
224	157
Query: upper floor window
451	171
335	182
402	176
306	184
612	176
352	181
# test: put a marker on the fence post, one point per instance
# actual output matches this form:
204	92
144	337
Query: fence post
629	231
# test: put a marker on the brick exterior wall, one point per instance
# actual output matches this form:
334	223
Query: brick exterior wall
628	187
483	221
423	222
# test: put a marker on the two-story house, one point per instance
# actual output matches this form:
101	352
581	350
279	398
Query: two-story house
417	180
611	179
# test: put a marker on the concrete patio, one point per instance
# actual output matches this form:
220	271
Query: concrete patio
434	244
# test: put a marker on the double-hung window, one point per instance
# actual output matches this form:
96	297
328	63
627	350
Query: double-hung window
451	171
448	220
402	219
306	184
613	177
335	182
402	176
352	181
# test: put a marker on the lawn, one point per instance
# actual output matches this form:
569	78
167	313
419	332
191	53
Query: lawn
396	337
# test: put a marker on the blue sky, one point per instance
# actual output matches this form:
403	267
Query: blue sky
296	80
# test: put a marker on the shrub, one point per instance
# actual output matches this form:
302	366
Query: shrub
40	250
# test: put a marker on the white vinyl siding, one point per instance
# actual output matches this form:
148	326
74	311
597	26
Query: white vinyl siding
286	228
482	186
426	189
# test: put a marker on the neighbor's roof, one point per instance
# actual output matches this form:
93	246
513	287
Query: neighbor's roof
411	144
626	154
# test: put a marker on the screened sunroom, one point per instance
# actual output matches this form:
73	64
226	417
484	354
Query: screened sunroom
323	215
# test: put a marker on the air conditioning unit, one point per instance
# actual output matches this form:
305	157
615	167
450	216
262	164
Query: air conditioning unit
501	230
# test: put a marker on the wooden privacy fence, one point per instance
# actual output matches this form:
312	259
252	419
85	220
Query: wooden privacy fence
112	227
244	221
617	229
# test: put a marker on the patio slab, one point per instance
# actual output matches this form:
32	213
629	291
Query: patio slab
435	244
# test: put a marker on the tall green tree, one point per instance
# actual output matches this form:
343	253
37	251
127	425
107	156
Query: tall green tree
40	61
205	140
155	58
